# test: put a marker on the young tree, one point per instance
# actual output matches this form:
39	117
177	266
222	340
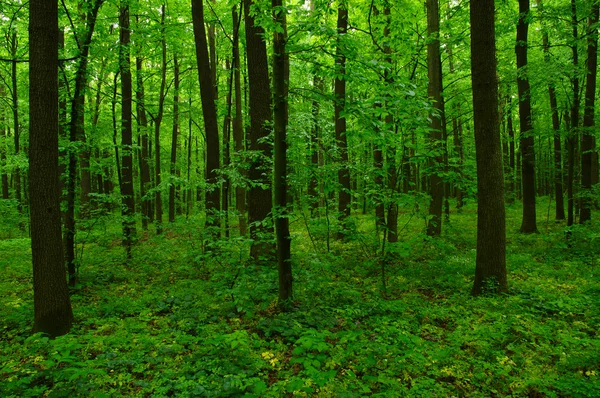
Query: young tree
174	139
52	307
587	142
529	224
280	111
209	111
490	271
127	192
340	118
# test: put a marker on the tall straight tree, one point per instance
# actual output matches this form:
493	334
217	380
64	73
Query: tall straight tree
529	224
490	270
211	125
76	134
174	138
260	199
434	90
340	119
158	121
572	138
587	142
280	110
127	193
558	177
52	307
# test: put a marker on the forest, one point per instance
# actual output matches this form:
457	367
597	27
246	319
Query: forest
318	198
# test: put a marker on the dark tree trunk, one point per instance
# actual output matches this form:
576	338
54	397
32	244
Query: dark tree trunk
174	139
157	123
143	130
437	125
127	192
76	134
587	142
226	149
490	270
280	148
14	45
313	184
574	120
3	130
238	128
529	224
344	197
259	197
211	127
52	307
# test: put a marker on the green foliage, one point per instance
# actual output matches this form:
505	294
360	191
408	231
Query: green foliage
179	321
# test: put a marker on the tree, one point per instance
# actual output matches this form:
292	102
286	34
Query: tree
490	271
587	143
52	307
437	124
280	110
528	224
209	111
340	119
127	193
174	139
259	197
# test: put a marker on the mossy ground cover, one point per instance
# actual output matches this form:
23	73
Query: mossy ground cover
180	322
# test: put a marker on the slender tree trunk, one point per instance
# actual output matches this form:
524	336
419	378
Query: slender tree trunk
529	224
313	185
14	45
280	149
587	142
340	121
174	139
238	128
211	127
52	307
437	125
157	123
574	120
226	152
143	130
3	130
75	135
259	197
490	270
127	192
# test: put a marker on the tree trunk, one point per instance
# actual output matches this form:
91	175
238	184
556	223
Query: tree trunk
313	184
529	224
259	197
143	130
3	130
280	148
211	127
437	125
52	307
174	140
157	123
574	120
127	193
490	270
14	45
344	197
587	142
238	128
226	148
75	135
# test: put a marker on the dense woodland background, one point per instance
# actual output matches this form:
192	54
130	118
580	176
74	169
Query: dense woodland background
313	198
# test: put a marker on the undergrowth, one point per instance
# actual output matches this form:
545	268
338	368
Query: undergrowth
179	321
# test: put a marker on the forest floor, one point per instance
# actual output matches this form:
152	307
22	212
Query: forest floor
177	322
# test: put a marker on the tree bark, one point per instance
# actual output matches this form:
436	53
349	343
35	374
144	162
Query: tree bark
52	307
211	127
259	197
344	197
174	139
157	124
127	192
142	120
574	120
490	270
529	224
587	142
